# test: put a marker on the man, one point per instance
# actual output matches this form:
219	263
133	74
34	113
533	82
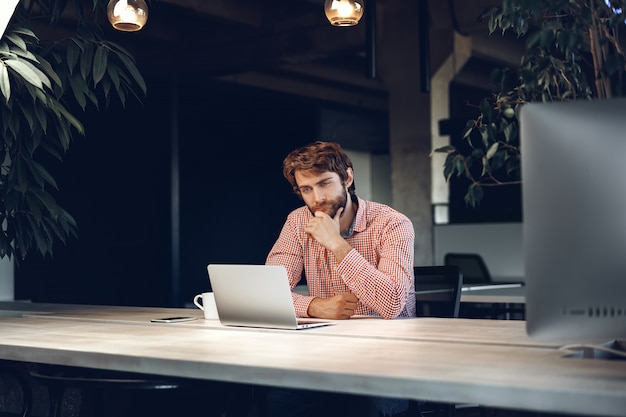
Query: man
356	255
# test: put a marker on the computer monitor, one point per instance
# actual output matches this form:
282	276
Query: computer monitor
574	219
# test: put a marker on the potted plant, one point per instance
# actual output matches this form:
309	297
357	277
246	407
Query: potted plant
573	52
44	85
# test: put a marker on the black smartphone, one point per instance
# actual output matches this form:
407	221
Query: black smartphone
173	319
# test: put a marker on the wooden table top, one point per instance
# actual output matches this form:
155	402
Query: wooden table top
425	328
417	358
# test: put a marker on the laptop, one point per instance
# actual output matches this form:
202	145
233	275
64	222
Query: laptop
255	296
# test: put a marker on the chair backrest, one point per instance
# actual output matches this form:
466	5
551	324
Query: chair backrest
472	266
438	290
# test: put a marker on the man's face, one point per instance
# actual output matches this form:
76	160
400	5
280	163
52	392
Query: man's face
322	192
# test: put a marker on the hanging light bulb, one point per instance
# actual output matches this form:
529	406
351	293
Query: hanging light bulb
127	15
343	12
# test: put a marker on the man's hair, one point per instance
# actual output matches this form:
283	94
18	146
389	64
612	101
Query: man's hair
318	157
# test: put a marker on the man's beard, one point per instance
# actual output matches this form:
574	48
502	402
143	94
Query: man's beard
331	207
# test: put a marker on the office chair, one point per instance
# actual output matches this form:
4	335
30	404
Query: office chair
18	399
472	266
475	271
438	291
437	294
105	393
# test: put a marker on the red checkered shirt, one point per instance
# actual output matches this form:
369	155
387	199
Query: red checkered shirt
378	270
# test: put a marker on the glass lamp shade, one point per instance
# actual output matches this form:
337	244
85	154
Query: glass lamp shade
343	12
127	15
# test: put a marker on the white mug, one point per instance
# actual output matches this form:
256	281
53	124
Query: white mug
206	303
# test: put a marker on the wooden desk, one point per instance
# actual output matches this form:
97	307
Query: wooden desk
426	328
493	374
499	301
505	295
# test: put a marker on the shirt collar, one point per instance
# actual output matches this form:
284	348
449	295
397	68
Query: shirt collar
358	223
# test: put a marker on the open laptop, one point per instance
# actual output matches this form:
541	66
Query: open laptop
255	296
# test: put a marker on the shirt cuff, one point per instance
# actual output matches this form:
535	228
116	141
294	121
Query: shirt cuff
301	304
350	263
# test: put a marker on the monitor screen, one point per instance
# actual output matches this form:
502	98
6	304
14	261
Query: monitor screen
574	227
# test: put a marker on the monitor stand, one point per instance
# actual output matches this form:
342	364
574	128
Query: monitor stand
612	350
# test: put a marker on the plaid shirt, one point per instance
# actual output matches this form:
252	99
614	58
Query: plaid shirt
378	270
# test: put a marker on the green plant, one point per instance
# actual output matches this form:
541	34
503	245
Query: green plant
40	82
573	51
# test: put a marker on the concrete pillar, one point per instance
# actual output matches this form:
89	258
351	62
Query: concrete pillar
409	119
440	110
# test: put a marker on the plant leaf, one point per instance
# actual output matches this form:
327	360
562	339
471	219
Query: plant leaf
134	72
16	40
73	55
50	72
86	60
25	71
5	84
100	64
492	150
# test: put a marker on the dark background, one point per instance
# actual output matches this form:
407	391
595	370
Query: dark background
501	203
230	142
116	182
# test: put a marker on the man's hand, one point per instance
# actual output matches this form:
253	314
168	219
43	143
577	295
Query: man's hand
325	230
339	307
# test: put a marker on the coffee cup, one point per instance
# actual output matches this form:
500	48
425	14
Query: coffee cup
206	303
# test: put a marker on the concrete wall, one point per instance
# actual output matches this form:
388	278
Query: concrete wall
372	176
6	280
500	245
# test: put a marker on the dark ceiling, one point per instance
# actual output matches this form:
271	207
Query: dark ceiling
289	46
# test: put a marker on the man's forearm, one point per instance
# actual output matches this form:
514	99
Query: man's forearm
341	250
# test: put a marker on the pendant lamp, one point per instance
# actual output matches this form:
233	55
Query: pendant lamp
127	15
343	12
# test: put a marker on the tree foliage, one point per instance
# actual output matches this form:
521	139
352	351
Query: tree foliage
40	81
573	51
